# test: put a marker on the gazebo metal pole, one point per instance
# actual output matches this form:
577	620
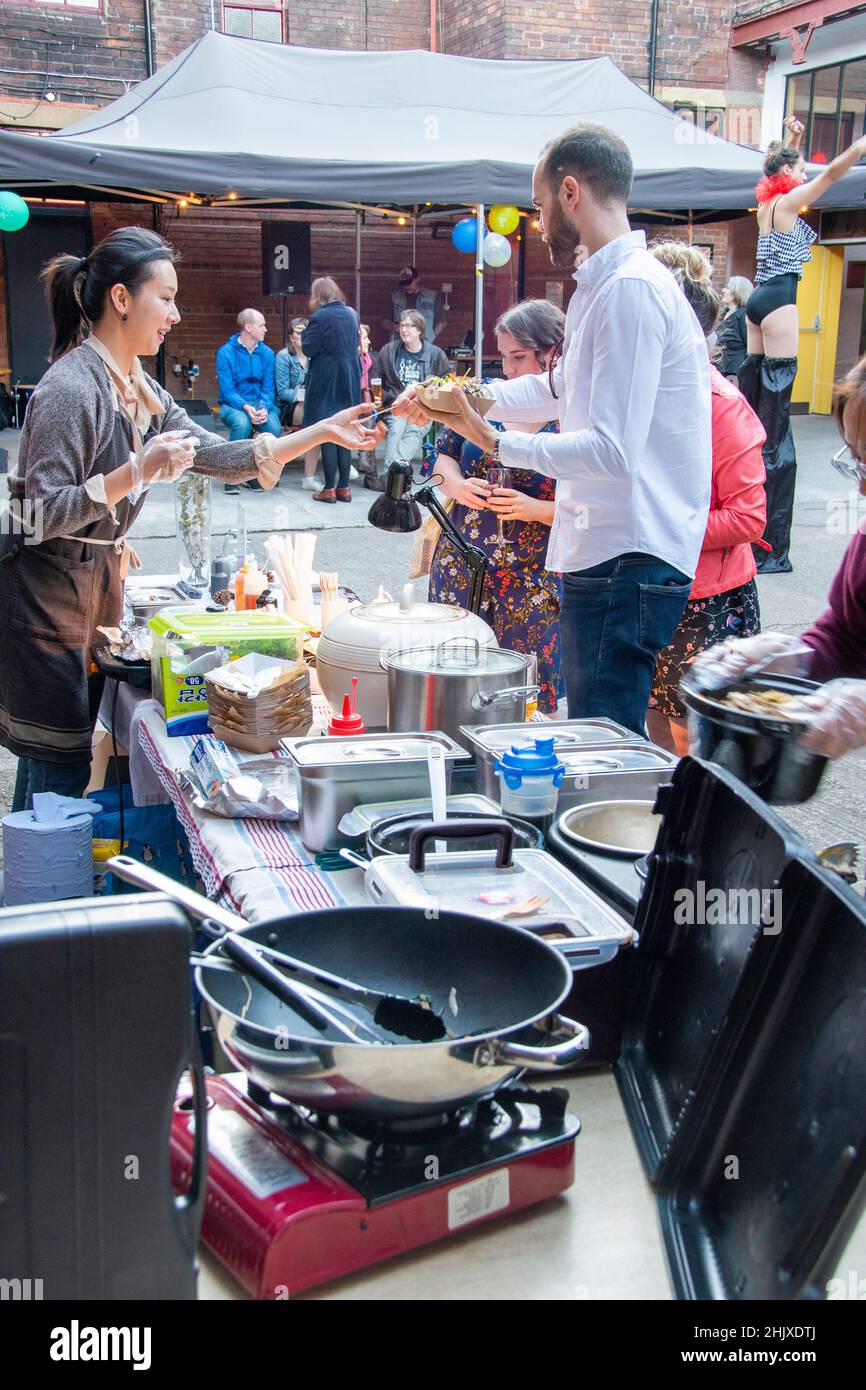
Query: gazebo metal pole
479	289
358	216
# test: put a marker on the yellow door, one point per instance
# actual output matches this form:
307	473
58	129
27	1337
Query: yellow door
818	301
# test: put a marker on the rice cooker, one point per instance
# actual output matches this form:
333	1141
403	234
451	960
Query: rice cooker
353	643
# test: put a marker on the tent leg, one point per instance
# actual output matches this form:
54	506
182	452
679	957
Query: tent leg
479	290
358	263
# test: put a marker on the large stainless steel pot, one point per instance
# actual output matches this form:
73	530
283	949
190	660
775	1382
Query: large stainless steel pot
505	984
456	682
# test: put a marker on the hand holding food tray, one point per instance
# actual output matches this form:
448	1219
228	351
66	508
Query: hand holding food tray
437	394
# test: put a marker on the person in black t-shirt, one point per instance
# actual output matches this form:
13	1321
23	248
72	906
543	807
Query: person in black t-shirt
408	359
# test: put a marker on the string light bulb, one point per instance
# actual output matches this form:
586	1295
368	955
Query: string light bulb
183	202
233	197
401	222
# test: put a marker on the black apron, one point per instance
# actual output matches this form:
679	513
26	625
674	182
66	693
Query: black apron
53	596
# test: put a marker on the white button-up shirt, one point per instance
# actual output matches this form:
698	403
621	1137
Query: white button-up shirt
633	458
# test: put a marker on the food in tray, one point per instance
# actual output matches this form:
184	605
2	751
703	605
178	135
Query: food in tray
436	393
781	704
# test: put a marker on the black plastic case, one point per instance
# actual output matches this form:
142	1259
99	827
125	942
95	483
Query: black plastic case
95	1031
743	1063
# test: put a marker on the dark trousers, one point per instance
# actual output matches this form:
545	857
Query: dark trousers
615	619
336	462
767	383
66	779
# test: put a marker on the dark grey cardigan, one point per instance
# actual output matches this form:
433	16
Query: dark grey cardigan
69	423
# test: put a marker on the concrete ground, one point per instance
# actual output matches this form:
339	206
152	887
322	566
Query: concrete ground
827	510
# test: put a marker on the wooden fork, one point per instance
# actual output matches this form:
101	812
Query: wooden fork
527	908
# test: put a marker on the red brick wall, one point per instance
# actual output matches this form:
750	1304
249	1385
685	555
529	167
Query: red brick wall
73	51
209	301
375	25
692	44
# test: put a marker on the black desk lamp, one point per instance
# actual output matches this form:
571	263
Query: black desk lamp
397	510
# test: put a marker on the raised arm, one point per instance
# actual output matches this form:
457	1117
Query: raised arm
805	194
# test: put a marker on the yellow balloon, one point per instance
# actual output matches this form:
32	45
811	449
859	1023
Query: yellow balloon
504	219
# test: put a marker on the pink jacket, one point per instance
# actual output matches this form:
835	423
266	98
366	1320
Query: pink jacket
738	503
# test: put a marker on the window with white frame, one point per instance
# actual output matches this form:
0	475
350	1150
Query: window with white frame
259	21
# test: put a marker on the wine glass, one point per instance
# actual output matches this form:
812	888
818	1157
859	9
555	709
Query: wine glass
500	477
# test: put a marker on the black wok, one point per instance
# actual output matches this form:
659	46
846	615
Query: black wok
504	983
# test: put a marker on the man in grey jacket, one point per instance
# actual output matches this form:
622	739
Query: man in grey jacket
401	363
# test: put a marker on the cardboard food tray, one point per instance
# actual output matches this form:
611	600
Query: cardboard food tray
438	399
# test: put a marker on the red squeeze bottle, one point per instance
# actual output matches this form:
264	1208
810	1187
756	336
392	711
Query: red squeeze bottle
349	722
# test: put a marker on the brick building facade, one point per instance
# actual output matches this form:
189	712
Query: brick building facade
86	57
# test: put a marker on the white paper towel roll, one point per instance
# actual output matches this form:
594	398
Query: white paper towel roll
45	861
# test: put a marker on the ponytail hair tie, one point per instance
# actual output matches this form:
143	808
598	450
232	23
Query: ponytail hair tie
82	264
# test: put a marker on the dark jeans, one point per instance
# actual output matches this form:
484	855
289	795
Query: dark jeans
614	620
34	775
336	462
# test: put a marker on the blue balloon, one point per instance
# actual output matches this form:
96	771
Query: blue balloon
464	235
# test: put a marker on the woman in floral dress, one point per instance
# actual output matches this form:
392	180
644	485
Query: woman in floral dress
521	598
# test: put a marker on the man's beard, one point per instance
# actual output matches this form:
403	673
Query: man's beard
562	240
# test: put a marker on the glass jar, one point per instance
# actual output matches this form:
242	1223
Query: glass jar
192	503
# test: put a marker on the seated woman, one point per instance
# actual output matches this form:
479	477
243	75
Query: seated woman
521	598
724	597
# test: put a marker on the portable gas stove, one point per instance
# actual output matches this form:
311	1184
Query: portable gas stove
297	1198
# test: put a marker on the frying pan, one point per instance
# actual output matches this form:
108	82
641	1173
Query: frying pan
504	984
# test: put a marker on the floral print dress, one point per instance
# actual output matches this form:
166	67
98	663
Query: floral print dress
521	598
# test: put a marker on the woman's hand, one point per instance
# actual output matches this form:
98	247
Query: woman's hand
795	128
348	428
470	492
408	407
510	505
165	457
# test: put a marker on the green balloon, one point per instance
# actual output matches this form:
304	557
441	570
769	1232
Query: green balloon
14	212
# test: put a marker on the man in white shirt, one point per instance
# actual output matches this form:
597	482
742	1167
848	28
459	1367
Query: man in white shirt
633	459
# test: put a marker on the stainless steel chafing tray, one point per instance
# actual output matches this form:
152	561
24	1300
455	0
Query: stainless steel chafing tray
603	760
337	774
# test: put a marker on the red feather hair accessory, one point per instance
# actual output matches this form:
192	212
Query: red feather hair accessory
771	185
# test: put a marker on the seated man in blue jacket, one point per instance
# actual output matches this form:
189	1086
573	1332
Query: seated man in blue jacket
245	371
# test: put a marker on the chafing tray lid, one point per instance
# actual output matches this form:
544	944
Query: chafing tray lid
359	750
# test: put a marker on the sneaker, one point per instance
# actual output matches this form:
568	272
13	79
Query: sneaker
232	489
374	484
326	495
310	484
254	485
354	475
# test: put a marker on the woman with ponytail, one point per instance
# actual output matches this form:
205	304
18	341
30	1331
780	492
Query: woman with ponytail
766	377
98	433
724	599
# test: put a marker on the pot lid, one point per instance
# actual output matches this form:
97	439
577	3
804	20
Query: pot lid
385	609
469	881
459	657
566	734
368	748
